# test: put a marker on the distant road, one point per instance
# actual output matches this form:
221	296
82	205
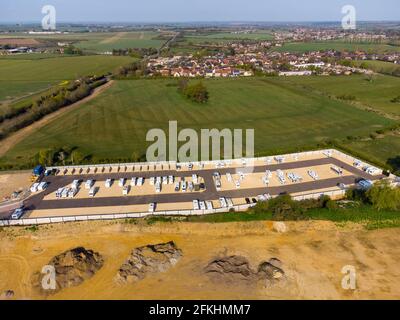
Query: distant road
7	143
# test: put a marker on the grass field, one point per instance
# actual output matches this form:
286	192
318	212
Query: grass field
376	94
380	66
122	40
385	150
23	77
302	47
285	118
228	36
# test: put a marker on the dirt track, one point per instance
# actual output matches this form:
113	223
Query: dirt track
12	140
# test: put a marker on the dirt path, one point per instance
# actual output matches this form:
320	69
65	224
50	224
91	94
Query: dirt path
12	140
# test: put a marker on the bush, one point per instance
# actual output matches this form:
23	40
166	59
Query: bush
196	92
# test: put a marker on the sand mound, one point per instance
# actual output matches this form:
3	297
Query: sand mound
72	267
234	268
148	259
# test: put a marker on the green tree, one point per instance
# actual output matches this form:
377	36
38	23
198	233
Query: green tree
384	197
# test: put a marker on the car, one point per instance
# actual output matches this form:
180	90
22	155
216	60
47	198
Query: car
196	205
341	186
247	200
190	166
152	207
177	186
17	213
191	186
184	186
64	193
237	184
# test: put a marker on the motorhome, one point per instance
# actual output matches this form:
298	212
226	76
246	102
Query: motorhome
158	187
17	213
92	192
108	183
89	183
133	181
72	192
196	205
121	182
34	187
140	181
209	205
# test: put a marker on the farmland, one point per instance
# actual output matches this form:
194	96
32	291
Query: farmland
375	93
301	47
22	77
96	41
285	118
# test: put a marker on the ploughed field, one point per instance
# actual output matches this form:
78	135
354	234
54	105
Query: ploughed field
20	77
285	117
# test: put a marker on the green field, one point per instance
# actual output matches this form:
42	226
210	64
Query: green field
301	47
376	94
285	118
23	77
101	42
385	150
380	66
229	36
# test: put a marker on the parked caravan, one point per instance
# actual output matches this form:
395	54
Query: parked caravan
17	213
108	183
34	187
196	205
152	207
92	191
89	183
42	186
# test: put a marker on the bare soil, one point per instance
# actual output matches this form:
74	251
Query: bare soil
311	256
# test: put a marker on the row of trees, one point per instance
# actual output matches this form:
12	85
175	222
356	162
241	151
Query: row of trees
135	52
135	69
47	104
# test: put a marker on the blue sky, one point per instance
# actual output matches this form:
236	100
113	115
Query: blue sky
199	10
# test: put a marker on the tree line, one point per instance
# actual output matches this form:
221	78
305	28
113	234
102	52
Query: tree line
14	119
